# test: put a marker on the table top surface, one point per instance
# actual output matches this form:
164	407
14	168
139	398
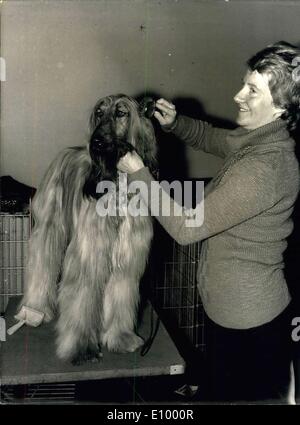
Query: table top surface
28	356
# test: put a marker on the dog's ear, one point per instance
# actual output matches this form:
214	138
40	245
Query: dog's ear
147	107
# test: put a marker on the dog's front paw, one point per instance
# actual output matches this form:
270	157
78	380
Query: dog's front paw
49	315
127	342
90	355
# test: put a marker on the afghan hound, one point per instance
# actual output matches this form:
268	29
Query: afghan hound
83	267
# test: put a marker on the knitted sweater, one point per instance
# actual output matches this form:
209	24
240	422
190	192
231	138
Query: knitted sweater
247	218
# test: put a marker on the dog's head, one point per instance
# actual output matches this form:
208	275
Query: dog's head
119	124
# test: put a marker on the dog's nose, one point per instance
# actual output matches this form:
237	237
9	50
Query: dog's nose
98	144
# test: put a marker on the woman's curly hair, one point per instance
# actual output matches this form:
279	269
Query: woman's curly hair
281	62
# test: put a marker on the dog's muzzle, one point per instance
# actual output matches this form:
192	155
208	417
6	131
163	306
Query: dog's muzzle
99	146
107	147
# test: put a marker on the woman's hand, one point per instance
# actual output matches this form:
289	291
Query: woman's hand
130	163
167	112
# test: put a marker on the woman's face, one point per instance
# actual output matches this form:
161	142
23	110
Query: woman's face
255	102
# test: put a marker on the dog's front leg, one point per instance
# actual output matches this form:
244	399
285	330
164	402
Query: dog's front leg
78	326
80	297
121	300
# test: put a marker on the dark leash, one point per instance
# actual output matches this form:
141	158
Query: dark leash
154	327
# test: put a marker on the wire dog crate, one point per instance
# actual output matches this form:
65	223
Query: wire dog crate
15	231
176	294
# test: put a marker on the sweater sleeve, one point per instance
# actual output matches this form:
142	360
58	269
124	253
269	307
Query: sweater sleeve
200	135
247	191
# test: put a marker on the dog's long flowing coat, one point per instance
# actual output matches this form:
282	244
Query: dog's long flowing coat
84	267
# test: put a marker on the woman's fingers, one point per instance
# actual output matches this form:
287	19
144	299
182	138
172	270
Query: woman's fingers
165	113
164	104
166	107
130	163
159	117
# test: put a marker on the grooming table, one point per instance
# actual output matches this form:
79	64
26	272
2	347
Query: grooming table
28	356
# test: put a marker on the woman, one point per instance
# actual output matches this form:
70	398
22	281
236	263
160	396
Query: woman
247	218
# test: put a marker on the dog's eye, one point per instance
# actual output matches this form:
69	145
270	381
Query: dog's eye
120	113
99	113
